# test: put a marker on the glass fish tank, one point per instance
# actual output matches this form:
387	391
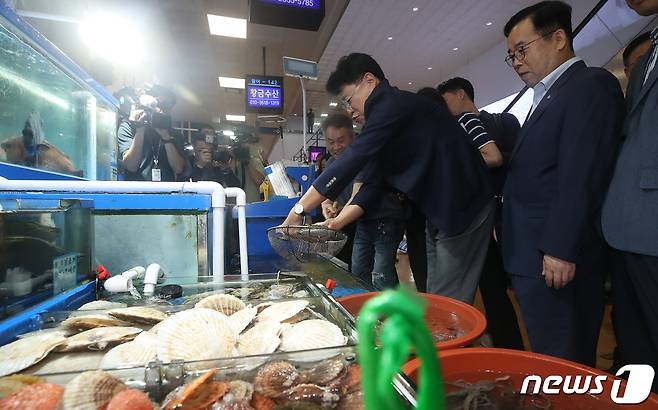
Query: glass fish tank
45	249
48	118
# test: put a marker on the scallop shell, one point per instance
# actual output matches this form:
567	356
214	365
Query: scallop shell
260	402
222	303
130	399
240	391
23	353
352	401
53	330
86	322
98	339
283	310
198	394
155	329
263	338
91	391
67	362
274	378
10	384
129	354
323	372
102	305
312	334
241	319
195	334
139	314
41	396
311	393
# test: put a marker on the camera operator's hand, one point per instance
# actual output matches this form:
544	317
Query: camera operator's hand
136	116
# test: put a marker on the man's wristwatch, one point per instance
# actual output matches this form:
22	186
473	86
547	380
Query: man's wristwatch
299	209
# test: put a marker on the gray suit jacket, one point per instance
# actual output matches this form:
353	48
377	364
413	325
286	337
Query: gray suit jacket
630	212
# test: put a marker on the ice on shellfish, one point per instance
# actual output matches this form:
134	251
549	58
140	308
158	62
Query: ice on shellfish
23	353
282	310
98	339
263	338
311	334
91	391
223	303
195	334
139	314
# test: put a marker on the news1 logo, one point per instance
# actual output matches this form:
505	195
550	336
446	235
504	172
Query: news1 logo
638	385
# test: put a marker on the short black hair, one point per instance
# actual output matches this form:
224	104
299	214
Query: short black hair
635	43
433	94
350	69
337	120
546	16
456	84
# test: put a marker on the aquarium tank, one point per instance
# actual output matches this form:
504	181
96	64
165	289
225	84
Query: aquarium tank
48	118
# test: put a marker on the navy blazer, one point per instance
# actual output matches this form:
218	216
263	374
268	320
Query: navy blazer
419	150
559	171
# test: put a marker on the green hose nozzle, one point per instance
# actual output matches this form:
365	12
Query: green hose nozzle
403	331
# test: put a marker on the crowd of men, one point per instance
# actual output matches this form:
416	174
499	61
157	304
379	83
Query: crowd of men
556	204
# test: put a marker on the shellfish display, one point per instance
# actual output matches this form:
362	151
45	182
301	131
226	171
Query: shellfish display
37	396
91	391
102	305
91	321
222	303
23	353
282	310
195	334
312	334
263	338
99	339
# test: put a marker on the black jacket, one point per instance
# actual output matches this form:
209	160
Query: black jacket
560	169
418	149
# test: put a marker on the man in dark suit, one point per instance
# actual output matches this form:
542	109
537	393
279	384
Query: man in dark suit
557	177
630	213
413	146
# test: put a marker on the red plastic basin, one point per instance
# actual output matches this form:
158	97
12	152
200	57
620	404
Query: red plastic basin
441	312
474	364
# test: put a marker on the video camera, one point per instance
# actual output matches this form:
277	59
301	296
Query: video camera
152	118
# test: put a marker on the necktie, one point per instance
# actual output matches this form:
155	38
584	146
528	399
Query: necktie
651	64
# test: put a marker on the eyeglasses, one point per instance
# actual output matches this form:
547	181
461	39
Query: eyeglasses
519	53
346	101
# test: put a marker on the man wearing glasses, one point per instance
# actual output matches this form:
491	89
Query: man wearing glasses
412	146
556	182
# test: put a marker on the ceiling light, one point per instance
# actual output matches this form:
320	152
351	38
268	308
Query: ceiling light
333	104
414	9
227	26
389	38
99	32
228	133
429	68
409	83
240	118
324	115
230	82
488	24
455	49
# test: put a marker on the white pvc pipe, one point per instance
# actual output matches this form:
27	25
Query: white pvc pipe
215	190
241	202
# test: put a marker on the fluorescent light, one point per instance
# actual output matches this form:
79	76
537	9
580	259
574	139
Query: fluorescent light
324	115
231	82
332	104
429	68
414	9
227	26
455	49
409	83
125	46
228	133
390	38
240	118
488	24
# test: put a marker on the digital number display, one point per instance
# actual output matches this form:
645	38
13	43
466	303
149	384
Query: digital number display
307	4
264	93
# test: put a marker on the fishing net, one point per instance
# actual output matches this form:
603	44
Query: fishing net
303	243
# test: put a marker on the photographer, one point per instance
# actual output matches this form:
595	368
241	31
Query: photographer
150	150
212	163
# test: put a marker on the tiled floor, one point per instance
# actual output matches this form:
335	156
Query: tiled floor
606	337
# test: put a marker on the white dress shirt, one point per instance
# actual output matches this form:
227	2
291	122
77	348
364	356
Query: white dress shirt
547	82
654	55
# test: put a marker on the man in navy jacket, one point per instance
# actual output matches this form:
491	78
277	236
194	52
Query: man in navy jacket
409	145
557	178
